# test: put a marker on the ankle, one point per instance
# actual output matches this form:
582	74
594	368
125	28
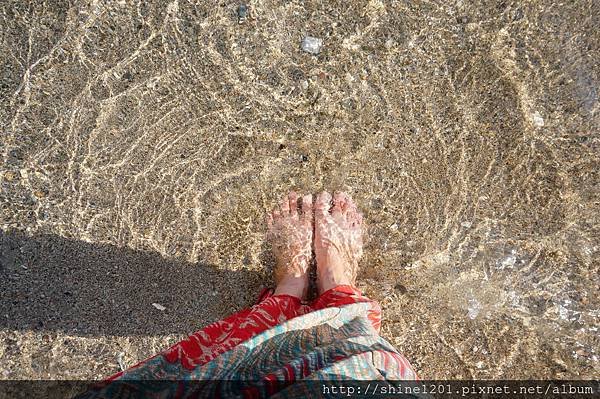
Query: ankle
292	285
330	278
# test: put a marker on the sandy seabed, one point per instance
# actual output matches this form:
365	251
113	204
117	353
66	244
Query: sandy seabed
142	143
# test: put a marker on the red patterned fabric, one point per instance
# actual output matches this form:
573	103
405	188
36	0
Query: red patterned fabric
346	295
271	310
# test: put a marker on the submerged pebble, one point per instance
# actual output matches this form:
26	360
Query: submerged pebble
312	45
242	13
40	193
10	176
538	120
474	307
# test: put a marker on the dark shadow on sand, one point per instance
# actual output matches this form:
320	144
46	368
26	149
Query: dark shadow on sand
52	283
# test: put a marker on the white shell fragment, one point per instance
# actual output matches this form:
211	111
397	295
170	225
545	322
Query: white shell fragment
122	365
159	306
538	120
473	307
312	45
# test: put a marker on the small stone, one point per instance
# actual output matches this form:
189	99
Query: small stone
39	194
376	203
509	261
474	307
400	288
312	45
537	119
304	85
242	13
414	265
582	352
159	307
466	224
16	154
120	361
10	176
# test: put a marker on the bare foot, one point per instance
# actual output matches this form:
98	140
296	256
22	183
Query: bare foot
291	233
338	240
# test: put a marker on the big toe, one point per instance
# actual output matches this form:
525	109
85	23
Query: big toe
323	205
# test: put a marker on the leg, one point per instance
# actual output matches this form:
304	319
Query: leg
338	248
291	234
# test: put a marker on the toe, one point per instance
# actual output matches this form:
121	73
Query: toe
352	213
323	204
348	203
307	207
293	203
276	213
339	203
269	220
284	205
355	217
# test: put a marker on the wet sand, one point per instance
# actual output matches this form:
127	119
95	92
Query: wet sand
143	143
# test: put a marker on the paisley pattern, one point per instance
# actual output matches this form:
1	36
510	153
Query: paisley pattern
263	350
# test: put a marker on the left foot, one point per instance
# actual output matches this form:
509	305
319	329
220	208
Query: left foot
290	233
338	240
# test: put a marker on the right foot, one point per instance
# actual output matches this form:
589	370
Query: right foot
338	240
290	233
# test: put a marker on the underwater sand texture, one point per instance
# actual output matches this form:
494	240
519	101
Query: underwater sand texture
144	141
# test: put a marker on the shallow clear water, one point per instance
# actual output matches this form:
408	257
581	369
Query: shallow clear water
143	143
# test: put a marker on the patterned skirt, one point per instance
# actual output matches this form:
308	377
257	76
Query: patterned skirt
277	348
